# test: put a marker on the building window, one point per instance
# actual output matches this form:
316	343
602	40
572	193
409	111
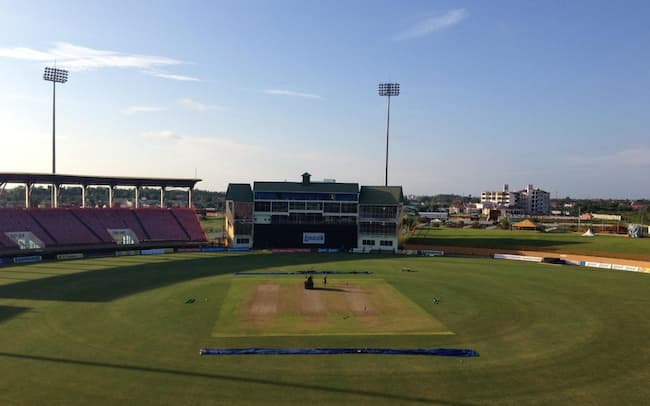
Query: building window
298	218
368	242
378	228
339	219
280	206
243	228
345	197
378	212
313	206
262	206
349	208
297	206
332	207
385	243
243	241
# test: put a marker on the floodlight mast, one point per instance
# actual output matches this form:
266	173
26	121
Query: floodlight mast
388	89
55	76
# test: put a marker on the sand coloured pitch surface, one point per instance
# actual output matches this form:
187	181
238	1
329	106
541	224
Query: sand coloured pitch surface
281	306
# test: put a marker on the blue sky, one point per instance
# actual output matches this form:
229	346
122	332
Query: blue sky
551	93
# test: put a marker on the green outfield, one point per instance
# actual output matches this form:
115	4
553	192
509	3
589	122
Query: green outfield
569	243
121	330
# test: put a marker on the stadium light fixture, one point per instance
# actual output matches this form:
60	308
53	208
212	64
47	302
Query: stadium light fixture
54	75
388	89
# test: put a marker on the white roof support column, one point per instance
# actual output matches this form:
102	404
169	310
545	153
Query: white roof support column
84	192
189	198
162	197
137	197
110	196
28	195
55	195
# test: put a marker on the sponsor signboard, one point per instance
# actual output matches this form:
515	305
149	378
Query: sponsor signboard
70	256
518	257
625	268
25	260
313	238
613	217
188	250
153	251
238	249
127	253
212	249
598	265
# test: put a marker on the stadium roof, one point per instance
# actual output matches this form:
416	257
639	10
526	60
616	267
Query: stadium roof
48	178
325	187
381	195
239	192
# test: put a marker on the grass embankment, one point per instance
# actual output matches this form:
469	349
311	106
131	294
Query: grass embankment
118	330
212	227
569	243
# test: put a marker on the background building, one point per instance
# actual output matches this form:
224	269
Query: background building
380	209
239	215
313	215
530	201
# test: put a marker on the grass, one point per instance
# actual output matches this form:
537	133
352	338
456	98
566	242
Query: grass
118	330
212	226
573	243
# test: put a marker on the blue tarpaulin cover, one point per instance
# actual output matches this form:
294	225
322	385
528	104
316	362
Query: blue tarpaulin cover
446	352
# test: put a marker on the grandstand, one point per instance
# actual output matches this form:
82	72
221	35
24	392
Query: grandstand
64	230
50	231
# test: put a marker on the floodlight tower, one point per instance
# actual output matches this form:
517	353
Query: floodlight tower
55	76
388	89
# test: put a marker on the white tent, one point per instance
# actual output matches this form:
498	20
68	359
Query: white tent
589	233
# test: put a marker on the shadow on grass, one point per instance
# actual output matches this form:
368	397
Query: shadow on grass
8	312
240	379
111	283
329	289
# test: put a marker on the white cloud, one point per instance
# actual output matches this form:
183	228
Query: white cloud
198	106
78	58
172	76
285	92
164	134
143	109
431	24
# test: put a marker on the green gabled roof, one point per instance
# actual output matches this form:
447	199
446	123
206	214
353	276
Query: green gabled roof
306	188
239	192
381	195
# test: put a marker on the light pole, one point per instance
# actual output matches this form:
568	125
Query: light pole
55	76
388	89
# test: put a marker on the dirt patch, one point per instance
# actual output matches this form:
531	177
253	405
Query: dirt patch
265	301
359	302
312	303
